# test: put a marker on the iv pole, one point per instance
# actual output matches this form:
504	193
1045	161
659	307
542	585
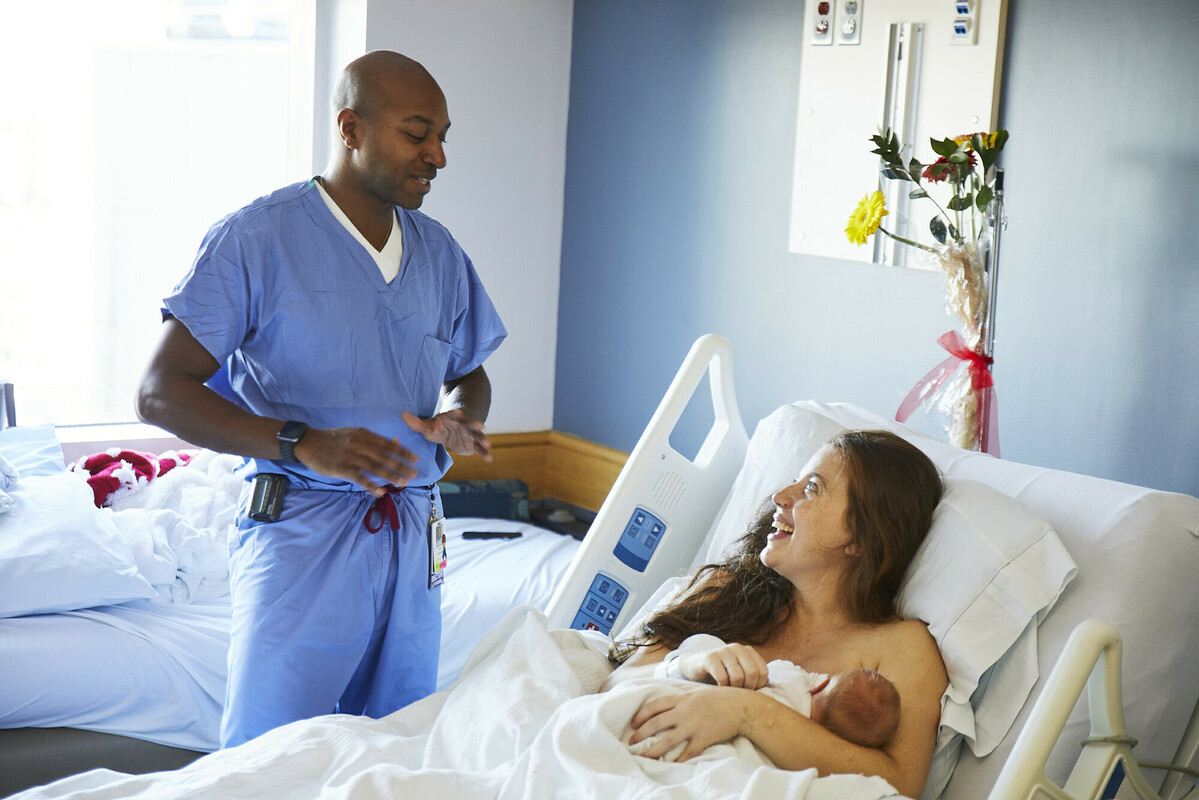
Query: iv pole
998	222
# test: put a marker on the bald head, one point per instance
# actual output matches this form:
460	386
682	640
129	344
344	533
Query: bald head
368	81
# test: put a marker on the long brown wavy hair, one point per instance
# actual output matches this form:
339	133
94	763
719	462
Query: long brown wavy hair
893	488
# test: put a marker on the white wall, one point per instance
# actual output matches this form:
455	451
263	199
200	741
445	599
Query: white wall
505	71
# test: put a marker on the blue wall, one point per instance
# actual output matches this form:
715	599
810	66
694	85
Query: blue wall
678	184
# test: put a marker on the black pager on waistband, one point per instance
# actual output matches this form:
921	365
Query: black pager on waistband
266	501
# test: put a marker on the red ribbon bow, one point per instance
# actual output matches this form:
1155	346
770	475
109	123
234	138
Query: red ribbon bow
981	380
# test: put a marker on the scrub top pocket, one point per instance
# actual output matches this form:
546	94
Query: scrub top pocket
434	360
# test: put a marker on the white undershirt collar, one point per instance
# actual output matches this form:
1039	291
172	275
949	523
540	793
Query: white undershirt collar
387	259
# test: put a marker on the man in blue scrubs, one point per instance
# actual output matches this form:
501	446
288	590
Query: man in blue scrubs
335	315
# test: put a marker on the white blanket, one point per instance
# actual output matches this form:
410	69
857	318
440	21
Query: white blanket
522	722
178	526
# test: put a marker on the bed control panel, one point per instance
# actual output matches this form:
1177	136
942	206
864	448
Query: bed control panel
640	539
601	606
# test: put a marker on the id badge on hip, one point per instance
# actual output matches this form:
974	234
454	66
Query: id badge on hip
437	559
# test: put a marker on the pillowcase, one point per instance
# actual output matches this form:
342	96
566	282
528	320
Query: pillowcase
988	571
32	449
58	552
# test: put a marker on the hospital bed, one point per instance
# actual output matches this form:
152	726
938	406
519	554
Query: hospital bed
1038	585
1079	586
114	622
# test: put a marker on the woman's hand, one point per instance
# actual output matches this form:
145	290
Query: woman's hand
702	717
736	665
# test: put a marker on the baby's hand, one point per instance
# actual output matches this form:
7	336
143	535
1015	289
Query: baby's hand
736	665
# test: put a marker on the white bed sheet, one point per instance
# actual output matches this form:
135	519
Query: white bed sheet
523	722
156	671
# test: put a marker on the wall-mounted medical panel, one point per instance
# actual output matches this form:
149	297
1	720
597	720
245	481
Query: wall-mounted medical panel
925	68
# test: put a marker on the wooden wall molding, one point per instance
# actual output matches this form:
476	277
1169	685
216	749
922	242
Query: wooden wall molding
552	463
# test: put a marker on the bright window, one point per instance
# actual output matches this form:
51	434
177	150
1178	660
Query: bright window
128	127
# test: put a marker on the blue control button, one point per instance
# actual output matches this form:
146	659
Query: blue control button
641	538
601	606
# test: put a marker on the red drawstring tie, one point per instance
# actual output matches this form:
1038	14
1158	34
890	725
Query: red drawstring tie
386	508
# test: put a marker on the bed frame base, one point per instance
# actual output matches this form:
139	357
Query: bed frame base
36	756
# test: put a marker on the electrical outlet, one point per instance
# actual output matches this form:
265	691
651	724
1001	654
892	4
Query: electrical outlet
965	22
822	26
850	24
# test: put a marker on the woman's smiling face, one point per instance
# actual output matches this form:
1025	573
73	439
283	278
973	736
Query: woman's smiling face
810	531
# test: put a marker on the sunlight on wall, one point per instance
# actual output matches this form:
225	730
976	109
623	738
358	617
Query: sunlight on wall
134	127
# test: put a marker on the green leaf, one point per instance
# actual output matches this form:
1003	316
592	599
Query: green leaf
915	167
1000	140
983	197
976	141
960	203
958	157
937	228
987	159
894	174
944	147
954	233
916	194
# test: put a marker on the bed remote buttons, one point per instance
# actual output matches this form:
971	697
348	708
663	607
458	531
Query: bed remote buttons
640	539
601	606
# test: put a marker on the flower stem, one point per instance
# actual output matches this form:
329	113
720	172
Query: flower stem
907	241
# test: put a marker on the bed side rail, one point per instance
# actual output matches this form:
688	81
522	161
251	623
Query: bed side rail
1091	659
662	504
1174	787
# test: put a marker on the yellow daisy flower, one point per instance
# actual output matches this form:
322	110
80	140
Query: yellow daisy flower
988	138
865	219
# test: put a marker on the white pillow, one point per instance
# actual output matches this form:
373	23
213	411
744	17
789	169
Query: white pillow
59	552
33	449
988	570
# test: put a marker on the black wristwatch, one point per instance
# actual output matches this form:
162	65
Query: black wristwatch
288	435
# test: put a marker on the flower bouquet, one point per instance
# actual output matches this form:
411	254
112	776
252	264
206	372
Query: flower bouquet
965	230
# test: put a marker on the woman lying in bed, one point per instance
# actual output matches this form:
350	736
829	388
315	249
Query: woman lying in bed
813	583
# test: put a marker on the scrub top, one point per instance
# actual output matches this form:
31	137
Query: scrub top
307	328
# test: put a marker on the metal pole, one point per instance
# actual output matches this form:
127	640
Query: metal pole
998	222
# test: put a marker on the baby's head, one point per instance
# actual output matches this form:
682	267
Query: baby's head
860	706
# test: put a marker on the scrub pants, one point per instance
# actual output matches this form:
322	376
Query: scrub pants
327	616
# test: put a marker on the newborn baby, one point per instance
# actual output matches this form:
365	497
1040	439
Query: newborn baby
860	705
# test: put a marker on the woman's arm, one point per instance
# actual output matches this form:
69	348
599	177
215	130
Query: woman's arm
710	715
702	659
640	665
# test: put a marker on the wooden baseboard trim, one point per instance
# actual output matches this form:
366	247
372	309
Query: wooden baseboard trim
552	463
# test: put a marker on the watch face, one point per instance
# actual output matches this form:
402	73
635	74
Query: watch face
292	431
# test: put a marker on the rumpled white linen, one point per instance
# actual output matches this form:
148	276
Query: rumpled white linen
8	476
178	527
521	723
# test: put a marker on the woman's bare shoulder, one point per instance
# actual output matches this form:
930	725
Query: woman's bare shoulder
906	646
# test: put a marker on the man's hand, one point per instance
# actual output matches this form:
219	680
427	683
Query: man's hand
357	454
452	429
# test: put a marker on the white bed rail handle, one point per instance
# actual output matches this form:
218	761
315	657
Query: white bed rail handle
710	354
1091	659
660	497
